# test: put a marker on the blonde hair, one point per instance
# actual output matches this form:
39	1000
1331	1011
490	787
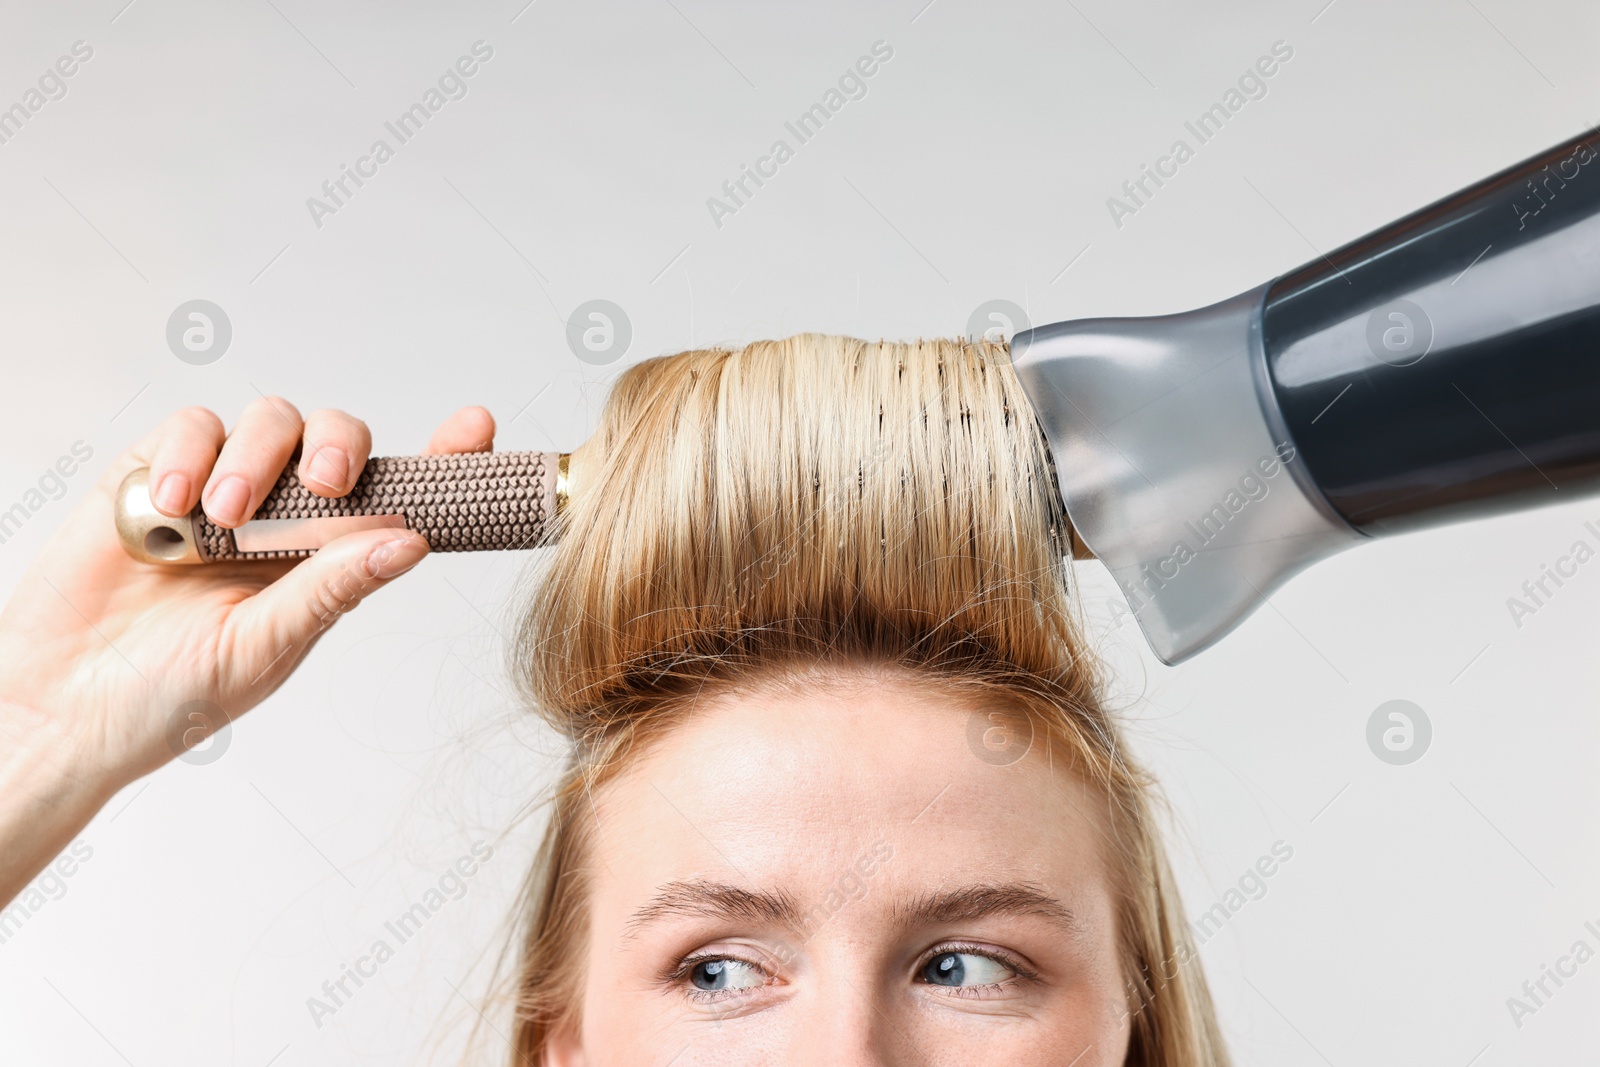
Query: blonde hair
807	504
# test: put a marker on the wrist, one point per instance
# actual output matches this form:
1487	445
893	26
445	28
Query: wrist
45	754
50	787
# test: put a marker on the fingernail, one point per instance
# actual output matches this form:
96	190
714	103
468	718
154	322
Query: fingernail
329	467
394	557
172	493
228	500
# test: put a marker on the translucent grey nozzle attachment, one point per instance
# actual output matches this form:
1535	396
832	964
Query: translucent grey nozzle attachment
1174	465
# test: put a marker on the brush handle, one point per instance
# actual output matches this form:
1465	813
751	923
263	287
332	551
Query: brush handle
466	502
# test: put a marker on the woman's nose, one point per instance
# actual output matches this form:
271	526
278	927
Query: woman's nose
849	1023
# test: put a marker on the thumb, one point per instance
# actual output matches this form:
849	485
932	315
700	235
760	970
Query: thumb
293	611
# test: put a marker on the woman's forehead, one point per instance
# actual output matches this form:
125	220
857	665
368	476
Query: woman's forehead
793	788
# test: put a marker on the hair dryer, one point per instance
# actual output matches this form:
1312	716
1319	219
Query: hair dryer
1444	367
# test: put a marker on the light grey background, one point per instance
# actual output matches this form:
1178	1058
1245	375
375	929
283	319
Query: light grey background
177	167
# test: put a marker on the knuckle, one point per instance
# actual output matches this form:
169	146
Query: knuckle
198	419
335	423
479	424
274	406
335	595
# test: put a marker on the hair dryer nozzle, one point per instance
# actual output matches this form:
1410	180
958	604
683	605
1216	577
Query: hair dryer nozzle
1171	468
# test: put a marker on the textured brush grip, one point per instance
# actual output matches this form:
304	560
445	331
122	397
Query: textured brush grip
468	502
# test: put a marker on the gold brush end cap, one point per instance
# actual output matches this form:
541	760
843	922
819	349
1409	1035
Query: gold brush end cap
146	534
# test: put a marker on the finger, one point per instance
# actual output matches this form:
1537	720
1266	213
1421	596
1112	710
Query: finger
336	448
252	459
469	430
286	616
185	450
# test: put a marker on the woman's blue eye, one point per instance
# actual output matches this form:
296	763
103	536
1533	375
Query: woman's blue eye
712	975
957	969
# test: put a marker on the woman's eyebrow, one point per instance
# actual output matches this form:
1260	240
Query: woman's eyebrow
968	902
941	907
718	900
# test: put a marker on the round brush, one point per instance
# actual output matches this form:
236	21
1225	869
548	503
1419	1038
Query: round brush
467	502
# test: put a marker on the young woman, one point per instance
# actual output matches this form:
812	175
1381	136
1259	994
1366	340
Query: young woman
841	789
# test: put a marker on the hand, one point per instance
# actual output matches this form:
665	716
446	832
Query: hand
99	653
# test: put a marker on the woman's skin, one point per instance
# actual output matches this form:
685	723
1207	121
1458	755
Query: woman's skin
101	656
831	875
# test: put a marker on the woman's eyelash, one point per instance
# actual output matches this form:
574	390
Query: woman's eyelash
989	952
679	973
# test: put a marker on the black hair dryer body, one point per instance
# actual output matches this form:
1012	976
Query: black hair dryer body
1444	367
